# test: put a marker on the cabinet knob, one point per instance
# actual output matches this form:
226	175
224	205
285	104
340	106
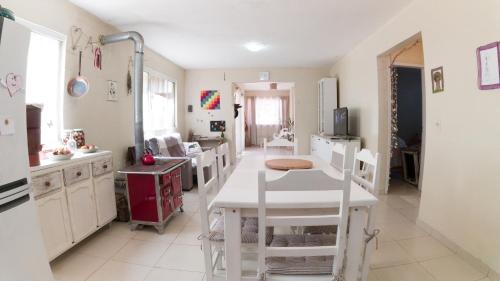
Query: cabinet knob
104	166
47	183
78	174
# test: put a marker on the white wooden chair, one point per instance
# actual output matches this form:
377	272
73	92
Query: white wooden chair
366	174
316	256
339	159
365	171
223	163
281	142
212	221
209	218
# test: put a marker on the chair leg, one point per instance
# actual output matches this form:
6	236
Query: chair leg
207	253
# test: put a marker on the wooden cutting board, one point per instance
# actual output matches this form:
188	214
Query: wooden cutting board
288	164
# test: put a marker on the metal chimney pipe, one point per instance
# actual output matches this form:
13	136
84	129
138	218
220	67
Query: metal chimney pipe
137	83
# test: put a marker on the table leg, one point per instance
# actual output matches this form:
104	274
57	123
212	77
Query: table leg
355	243
232	237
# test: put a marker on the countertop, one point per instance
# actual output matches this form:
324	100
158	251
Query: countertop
78	157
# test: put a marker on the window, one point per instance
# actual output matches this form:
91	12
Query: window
268	111
159	103
44	80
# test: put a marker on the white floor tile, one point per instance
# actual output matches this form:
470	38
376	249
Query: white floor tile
400	231
409	272
119	229
390	254
119	271
141	252
158	274
152	235
182	257
410	214
424	248
414	199
75	267
451	268
101	245
189	235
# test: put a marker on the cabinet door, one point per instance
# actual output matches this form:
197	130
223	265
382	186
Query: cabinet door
325	150
104	190
82	209
54	220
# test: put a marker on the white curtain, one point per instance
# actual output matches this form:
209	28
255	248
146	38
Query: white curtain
159	104
264	116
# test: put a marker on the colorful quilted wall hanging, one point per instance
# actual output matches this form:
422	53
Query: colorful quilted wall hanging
210	99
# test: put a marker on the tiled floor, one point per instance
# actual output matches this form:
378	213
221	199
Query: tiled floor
405	251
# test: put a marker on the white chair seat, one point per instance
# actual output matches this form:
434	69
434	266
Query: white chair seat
321	265
249	231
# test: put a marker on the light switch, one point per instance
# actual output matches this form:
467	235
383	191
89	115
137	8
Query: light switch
7	126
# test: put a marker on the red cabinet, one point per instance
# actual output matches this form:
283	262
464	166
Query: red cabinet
154	192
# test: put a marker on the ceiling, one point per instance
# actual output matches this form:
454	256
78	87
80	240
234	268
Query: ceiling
198	34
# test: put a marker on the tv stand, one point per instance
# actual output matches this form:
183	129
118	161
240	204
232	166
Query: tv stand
322	146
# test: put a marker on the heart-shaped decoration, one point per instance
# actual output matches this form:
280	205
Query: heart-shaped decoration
14	83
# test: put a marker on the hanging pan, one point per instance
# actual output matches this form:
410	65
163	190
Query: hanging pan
78	86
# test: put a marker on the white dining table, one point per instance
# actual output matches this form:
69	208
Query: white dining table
239	197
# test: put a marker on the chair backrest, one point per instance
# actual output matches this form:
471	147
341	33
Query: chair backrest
223	163
281	142
310	181
339	159
206	169
365	171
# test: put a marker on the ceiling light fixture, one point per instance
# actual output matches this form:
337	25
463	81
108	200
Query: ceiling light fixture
255	46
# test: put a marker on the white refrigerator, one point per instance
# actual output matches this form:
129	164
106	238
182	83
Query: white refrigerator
22	252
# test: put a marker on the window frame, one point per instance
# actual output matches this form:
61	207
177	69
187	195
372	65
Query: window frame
150	71
63	39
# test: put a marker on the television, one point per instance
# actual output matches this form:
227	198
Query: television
340	122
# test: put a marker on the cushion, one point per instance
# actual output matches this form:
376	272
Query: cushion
320	229
192	149
175	148
249	231
322	265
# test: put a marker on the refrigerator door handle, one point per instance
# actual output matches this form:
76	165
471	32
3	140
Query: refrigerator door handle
14	201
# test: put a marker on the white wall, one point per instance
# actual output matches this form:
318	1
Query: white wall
305	94
461	191
107	124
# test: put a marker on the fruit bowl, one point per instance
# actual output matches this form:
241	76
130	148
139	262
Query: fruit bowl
88	149
61	157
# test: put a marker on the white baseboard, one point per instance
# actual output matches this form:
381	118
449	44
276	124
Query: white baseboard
469	258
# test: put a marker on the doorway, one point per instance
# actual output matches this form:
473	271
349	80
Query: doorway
402	117
266	109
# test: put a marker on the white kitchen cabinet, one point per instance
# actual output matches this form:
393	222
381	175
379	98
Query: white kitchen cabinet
82	209
104	190
322	147
55	223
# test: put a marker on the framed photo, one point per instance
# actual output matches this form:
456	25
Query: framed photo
437	75
112	91
488	60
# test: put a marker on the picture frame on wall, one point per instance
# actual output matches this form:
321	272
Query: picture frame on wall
437	75
488	60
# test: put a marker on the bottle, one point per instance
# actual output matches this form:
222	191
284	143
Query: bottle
71	144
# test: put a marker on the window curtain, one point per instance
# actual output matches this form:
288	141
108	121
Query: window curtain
264	117
159	104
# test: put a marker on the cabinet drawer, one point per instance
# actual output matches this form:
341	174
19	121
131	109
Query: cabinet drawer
76	174
46	183
102	166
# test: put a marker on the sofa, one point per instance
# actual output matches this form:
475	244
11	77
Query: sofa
171	146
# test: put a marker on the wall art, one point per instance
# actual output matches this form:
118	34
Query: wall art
210	99
437	76
488	60
217	126
13	83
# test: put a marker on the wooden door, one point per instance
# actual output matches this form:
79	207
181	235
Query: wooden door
54	220
104	190
82	209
